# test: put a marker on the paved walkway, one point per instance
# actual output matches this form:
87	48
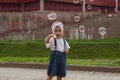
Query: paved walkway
39	74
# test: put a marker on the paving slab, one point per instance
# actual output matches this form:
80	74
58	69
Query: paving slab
8	73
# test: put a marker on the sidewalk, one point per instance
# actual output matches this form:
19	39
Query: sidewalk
7	73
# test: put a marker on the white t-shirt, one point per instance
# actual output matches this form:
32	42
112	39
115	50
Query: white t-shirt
60	44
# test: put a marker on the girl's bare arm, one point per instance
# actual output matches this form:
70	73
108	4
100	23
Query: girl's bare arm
48	38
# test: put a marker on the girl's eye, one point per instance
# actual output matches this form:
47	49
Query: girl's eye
57	30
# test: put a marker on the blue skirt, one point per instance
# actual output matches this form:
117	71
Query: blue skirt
57	64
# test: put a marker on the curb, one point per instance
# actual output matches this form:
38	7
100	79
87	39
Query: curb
69	67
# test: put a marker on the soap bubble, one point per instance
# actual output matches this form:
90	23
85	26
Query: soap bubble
77	18
76	1
89	6
52	16
91	0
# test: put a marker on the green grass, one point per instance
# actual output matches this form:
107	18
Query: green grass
25	59
94	62
69	61
95	51
23	49
81	51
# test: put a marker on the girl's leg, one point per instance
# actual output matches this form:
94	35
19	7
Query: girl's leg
49	78
59	78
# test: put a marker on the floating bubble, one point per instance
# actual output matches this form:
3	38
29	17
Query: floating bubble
110	15
89	6
91	0
77	18
82	28
76	1
52	16
102	30
54	36
81	0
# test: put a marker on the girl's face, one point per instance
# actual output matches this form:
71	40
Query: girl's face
58	32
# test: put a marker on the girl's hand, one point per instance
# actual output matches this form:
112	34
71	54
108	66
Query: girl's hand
52	35
48	38
66	51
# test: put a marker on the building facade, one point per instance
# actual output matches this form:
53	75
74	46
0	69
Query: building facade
105	6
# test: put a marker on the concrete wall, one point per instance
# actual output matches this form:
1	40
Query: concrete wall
34	26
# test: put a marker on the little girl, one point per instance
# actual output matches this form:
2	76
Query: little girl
59	48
